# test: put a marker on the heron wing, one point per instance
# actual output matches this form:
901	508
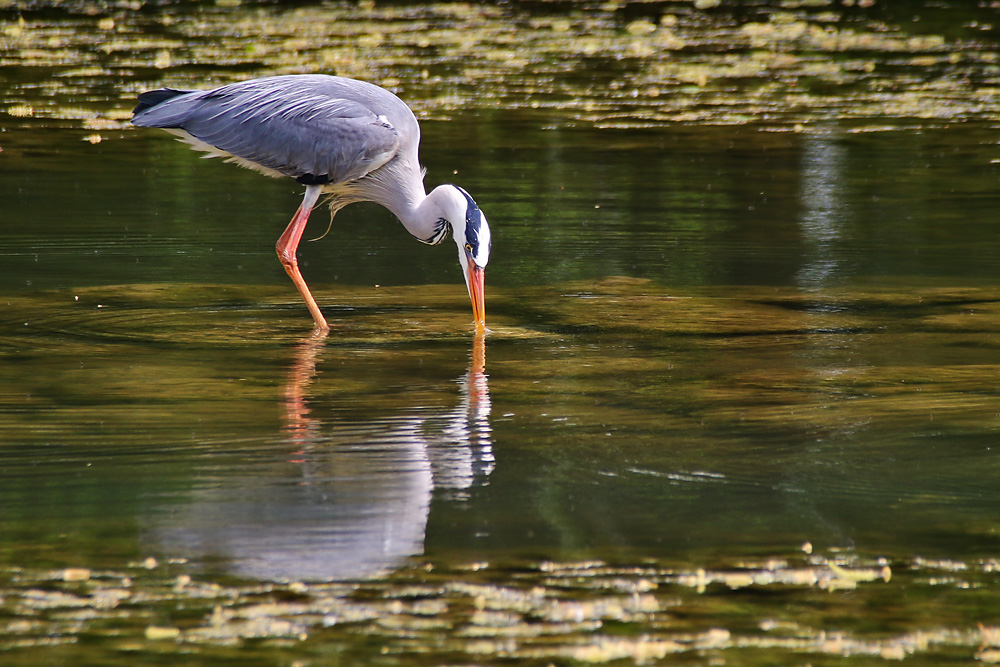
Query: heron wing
296	130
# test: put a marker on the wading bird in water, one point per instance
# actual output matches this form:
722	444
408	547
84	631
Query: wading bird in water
350	139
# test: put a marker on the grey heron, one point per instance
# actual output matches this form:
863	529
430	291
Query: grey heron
348	138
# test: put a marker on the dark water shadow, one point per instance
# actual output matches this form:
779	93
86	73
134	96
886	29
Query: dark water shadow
346	499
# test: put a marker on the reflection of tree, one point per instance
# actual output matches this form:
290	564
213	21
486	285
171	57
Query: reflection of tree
823	215
354	496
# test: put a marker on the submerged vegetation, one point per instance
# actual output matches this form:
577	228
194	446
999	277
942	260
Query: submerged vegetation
787	65
585	612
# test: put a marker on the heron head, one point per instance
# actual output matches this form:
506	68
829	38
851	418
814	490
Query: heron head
472	235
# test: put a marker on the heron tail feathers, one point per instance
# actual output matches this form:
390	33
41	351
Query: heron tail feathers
150	99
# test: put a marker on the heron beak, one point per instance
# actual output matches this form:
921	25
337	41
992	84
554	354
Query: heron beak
477	291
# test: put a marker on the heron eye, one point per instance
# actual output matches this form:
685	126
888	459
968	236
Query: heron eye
468	248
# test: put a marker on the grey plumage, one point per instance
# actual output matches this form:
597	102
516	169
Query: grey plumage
316	129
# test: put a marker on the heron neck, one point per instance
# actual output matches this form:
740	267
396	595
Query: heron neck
423	216
399	187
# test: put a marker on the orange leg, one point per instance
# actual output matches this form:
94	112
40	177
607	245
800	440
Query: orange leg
287	248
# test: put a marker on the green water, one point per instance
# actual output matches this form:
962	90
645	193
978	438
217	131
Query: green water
738	403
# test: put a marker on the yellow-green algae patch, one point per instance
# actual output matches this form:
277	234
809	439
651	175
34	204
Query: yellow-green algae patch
782	66
543	611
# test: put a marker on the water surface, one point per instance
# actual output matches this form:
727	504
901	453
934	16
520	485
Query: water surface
738	400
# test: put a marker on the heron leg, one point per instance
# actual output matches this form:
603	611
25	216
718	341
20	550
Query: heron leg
287	248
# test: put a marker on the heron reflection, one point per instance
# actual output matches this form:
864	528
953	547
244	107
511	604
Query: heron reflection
343	499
